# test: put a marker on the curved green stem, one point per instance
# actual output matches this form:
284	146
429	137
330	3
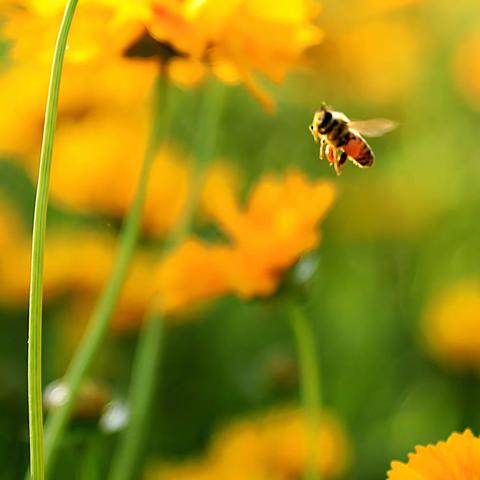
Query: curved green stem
148	354
310	386
99	322
35	414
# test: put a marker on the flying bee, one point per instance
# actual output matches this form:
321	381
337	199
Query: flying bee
341	139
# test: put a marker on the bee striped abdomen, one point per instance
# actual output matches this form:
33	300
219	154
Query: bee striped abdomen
359	150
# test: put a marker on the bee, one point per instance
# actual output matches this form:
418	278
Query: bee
341	139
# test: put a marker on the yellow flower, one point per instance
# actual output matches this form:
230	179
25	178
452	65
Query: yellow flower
277	226
276	445
10	228
85	90
456	459
192	273
99	31
466	68
451	324
238	38
381	7
74	262
234	39
21	122
95	172
77	263
270	447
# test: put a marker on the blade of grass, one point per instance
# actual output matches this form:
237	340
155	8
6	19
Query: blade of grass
310	386
99	322
148	353
35	413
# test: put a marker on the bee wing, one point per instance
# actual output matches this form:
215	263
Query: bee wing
373	128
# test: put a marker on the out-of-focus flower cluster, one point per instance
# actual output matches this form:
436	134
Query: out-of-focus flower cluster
233	39
278	225
273	447
370	52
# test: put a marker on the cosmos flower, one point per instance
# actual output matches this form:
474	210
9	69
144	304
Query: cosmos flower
458	458
278	225
271	446
238	38
194	272
451	324
235	39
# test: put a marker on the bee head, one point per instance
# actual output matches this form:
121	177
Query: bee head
322	118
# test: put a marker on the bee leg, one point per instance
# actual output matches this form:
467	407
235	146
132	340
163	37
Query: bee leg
341	161
323	147
331	154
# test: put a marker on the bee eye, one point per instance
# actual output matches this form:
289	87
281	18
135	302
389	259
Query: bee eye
327	117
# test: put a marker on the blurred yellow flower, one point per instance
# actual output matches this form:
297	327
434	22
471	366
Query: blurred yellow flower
381	7
84	91
466	68
276	445
99	31
77	263
456	459
277	226
374	62
234	39
451	324
97	160
270	447
238	38
10	228
95	172
193	272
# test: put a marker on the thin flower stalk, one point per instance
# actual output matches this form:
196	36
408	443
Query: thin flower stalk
35	411
99	322
310	387
145	372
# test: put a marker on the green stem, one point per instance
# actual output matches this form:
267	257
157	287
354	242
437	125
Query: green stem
35	414
310	386
142	390
148	354
99	322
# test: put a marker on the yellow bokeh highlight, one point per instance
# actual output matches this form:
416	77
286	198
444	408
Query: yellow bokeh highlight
451	324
